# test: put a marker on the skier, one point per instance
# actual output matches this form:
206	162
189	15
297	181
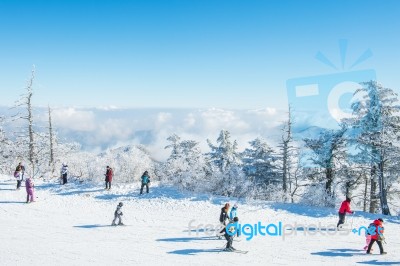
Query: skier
344	208
377	236
233	214
224	214
64	173
19	174
30	187
223	217
109	176
145	182
118	215
231	227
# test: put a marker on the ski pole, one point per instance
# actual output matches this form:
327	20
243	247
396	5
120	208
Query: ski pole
351	226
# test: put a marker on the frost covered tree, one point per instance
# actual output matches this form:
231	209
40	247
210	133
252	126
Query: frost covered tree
328	150
27	138
376	125
260	163
225	153
6	149
185	166
224	167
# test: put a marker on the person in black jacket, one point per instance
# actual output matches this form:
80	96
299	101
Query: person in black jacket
231	227
223	217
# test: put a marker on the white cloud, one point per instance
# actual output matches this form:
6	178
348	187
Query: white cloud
80	120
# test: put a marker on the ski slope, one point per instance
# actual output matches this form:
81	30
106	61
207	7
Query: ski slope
70	225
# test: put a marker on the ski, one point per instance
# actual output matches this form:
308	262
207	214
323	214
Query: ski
235	250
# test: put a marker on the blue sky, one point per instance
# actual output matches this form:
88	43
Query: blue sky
198	53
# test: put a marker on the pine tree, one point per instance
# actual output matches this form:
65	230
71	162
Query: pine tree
377	124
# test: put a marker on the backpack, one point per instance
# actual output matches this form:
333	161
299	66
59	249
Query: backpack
371	228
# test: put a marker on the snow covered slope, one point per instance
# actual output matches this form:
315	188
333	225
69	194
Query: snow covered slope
70	225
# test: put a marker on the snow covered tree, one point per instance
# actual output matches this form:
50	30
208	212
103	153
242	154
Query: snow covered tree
225	154
6	149
377	125
260	163
185	166
25	102
328	149
286	151
224	167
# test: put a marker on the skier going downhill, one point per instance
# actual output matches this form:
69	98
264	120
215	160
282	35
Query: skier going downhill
118	215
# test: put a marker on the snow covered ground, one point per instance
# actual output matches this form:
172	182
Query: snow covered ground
70	225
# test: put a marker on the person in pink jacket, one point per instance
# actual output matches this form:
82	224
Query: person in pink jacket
30	187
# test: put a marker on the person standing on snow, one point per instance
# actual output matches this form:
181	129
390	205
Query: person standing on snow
109	176
344	208
223	217
118	215
145	182
30	187
19	174
377	236
64	173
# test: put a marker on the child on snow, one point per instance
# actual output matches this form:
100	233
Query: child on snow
29	190
368	235
377	236
118	215
231	227
233	214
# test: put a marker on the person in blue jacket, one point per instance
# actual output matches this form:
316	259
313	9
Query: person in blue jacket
145	182
233	214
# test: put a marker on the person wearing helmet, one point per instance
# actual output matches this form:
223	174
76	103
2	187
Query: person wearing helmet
118	215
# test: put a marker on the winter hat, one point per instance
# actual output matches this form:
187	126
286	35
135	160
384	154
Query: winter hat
235	206
380	219
121	204
236	219
348	199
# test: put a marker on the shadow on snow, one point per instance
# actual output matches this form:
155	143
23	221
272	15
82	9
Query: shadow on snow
339	252
193	251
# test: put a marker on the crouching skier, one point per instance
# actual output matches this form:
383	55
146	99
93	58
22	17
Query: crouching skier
229	230
118	215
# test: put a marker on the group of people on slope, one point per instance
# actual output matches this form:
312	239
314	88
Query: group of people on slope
145	179
374	232
228	217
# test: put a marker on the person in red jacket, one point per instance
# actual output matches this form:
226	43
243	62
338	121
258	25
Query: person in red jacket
344	208
109	176
377	236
